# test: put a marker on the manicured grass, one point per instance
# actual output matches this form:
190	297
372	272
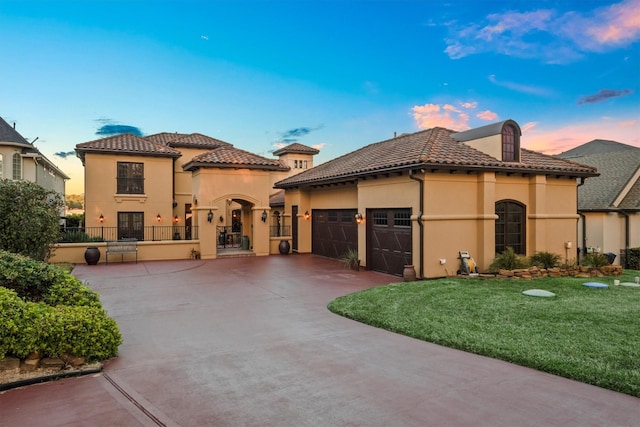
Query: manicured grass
590	335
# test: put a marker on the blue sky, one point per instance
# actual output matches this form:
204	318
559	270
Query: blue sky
336	75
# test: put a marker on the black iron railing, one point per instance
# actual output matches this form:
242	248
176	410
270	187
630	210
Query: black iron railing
149	233
281	230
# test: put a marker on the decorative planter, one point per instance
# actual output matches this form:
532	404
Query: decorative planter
92	255
284	247
409	273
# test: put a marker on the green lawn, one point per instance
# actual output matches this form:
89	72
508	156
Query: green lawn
590	335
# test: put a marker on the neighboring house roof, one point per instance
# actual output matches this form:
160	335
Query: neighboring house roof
432	149
193	140
618	186
296	148
230	157
126	143
597	146
8	134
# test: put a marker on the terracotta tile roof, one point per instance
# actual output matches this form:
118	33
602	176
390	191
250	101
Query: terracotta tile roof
194	140
432	149
126	144
296	148
165	137
230	157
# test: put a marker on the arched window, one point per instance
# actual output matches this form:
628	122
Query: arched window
510	144
17	166
511	226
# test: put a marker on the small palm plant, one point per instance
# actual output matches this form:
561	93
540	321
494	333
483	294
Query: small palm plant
351	260
507	260
545	259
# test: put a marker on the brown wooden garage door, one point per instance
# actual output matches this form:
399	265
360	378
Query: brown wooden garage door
389	240
334	231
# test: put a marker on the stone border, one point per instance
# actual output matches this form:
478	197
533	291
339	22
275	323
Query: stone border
536	272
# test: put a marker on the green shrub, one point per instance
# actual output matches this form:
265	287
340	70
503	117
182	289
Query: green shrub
595	260
78	237
507	260
84	331
633	259
545	259
28	277
70	291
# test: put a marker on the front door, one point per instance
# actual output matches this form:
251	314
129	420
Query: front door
294	228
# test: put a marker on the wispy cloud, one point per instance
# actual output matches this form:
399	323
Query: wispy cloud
560	38
293	135
109	128
603	95
64	154
557	140
523	88
448	115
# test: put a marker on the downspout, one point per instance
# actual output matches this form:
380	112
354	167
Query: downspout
420	224
626	237
584	222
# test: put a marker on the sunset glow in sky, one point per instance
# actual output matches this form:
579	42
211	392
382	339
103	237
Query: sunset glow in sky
333	74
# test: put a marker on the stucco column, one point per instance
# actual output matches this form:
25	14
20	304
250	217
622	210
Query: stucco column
261	230
206	231
486	219
537	213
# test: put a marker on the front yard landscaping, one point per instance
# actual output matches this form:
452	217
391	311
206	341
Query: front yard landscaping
586	334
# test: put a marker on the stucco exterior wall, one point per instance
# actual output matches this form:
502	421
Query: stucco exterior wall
147	251
101	190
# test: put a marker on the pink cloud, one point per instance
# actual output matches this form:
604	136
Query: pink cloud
617	24
469	105
447	116
487	115
554	141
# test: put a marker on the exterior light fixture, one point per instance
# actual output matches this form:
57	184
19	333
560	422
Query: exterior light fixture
307	215
221	218
359	217
158	218
210	215
101	218
229	201
264	216
176	219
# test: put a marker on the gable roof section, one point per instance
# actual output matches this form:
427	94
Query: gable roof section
432	149
230	157
296	148
126	143
165	137
619	178
187	140
9	134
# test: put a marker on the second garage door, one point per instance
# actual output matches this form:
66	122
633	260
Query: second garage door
334	231
389	240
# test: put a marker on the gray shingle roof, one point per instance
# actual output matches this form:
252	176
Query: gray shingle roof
433	149
597	146
9	134
617	170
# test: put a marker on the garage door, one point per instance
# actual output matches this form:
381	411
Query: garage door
334	231
389	240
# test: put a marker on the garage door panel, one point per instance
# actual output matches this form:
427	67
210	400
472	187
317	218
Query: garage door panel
389	240
334	232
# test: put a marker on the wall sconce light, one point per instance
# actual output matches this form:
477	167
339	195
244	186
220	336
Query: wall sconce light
158	218
176	219
101	218
221	218
307	215
210	215
264	216
229	201
359	217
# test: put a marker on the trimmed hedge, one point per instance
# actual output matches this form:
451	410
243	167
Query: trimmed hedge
45	309
633	255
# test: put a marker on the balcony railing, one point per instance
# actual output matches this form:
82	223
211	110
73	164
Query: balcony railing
277	231
150	233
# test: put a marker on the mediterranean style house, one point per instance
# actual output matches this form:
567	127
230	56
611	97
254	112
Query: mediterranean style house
21	160
418	199
188	187
424	198
609	205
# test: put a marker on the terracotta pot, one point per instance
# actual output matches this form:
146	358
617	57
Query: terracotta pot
92	255
409	273
284	247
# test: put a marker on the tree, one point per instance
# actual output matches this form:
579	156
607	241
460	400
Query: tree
29	218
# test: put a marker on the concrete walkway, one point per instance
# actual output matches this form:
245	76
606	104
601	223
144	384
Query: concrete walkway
249	342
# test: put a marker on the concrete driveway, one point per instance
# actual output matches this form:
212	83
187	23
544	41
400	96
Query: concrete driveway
249	342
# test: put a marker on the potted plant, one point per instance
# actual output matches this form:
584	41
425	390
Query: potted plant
351	260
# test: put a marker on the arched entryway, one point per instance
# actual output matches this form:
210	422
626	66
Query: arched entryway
234	230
